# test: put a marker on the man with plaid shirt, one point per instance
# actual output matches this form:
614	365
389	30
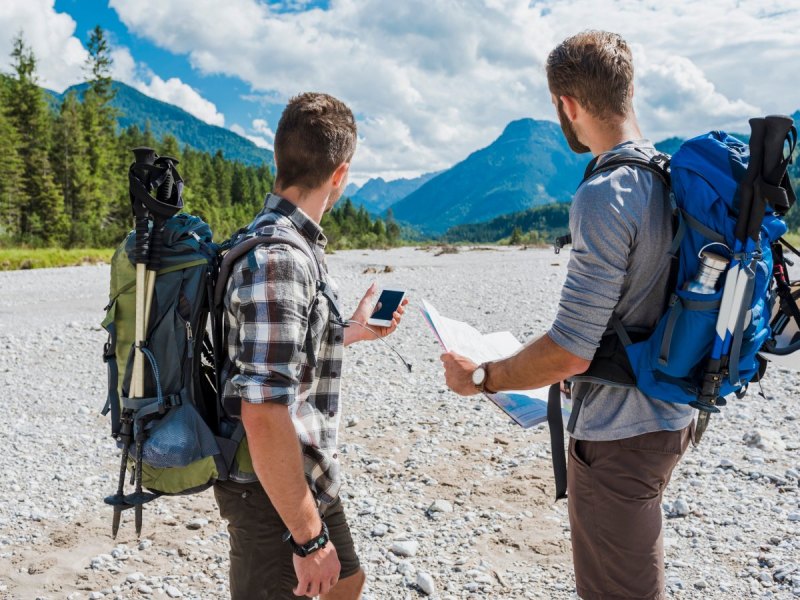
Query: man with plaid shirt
289	534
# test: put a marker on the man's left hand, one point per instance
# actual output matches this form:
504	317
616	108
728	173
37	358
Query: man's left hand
366	308
458	373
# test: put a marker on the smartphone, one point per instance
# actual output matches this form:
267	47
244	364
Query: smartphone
389	302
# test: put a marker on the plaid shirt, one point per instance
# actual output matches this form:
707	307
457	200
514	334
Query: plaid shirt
283	345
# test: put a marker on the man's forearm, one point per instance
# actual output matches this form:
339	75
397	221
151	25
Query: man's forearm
537	364
278	462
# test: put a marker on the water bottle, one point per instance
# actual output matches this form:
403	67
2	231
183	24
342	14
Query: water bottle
705	280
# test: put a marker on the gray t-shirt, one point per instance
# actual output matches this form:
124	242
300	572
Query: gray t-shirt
621	228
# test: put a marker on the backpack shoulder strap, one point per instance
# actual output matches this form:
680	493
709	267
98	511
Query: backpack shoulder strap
657	164
272	234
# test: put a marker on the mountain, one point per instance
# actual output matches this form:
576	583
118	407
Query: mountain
529	165
377	194
136	109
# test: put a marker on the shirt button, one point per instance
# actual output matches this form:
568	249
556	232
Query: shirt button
332	414
335	455
334	374
337	338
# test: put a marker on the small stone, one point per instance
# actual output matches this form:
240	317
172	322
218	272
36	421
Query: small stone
144	589
726	463
764	440
379	530
404	567
405	548
681	508
173	592
133	577
197	524
425	583
441	506
353	421
700	585
95	595
145	544
794	516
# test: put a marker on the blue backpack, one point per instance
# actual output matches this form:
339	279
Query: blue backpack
727	198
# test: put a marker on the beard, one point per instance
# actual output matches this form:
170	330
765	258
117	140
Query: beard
569	131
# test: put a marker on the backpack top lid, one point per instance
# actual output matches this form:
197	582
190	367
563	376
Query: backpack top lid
706	174
185	236
718	158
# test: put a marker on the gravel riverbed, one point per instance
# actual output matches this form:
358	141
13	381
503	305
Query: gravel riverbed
447	498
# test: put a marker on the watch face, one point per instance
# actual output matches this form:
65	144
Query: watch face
478	375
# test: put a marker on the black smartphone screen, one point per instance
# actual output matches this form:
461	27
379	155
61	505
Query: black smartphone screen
389	302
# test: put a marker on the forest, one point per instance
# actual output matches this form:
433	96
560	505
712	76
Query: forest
65	180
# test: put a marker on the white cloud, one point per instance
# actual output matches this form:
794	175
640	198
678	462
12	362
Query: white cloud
61	57
261	126
432	81
262	141
176	92
49	34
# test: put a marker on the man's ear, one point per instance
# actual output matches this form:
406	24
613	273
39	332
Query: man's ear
339	174
571	107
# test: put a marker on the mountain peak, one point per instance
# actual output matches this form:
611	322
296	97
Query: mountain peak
136	108
528	128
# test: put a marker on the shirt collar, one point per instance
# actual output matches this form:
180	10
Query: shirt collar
302	222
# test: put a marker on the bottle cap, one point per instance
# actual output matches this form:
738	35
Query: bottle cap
714	261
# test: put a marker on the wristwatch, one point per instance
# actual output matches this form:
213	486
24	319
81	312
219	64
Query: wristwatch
479	377
318	542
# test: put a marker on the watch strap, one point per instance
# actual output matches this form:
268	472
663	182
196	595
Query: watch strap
318	542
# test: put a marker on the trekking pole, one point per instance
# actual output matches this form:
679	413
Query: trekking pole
141	213
150	172
733	292
167	207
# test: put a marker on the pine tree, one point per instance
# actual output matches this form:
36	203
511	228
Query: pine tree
392	228
99	131
11	192
41	203
71	165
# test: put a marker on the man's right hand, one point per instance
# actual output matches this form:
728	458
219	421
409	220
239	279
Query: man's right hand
317	573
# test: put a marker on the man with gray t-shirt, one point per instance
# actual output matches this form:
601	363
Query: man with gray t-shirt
623	445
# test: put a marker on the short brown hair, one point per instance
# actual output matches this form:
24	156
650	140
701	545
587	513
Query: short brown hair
595	68
315	135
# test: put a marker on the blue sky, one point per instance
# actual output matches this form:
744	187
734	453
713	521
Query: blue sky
430	80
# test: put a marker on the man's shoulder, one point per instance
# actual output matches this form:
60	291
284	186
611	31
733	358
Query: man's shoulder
624	183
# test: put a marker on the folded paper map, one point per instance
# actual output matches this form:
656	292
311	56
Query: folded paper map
526	407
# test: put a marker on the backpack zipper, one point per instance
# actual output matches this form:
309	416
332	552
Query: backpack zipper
189	339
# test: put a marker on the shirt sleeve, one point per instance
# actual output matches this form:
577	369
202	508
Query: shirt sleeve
603	223
269	300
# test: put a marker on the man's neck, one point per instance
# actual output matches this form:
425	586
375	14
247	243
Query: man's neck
606	137
312	202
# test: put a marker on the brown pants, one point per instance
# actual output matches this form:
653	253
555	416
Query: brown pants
261	562
614	500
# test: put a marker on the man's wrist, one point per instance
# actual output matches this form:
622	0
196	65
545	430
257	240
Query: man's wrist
487	387
317	542
480	378
307	531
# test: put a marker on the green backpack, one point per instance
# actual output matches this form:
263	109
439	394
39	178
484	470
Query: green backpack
177	439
